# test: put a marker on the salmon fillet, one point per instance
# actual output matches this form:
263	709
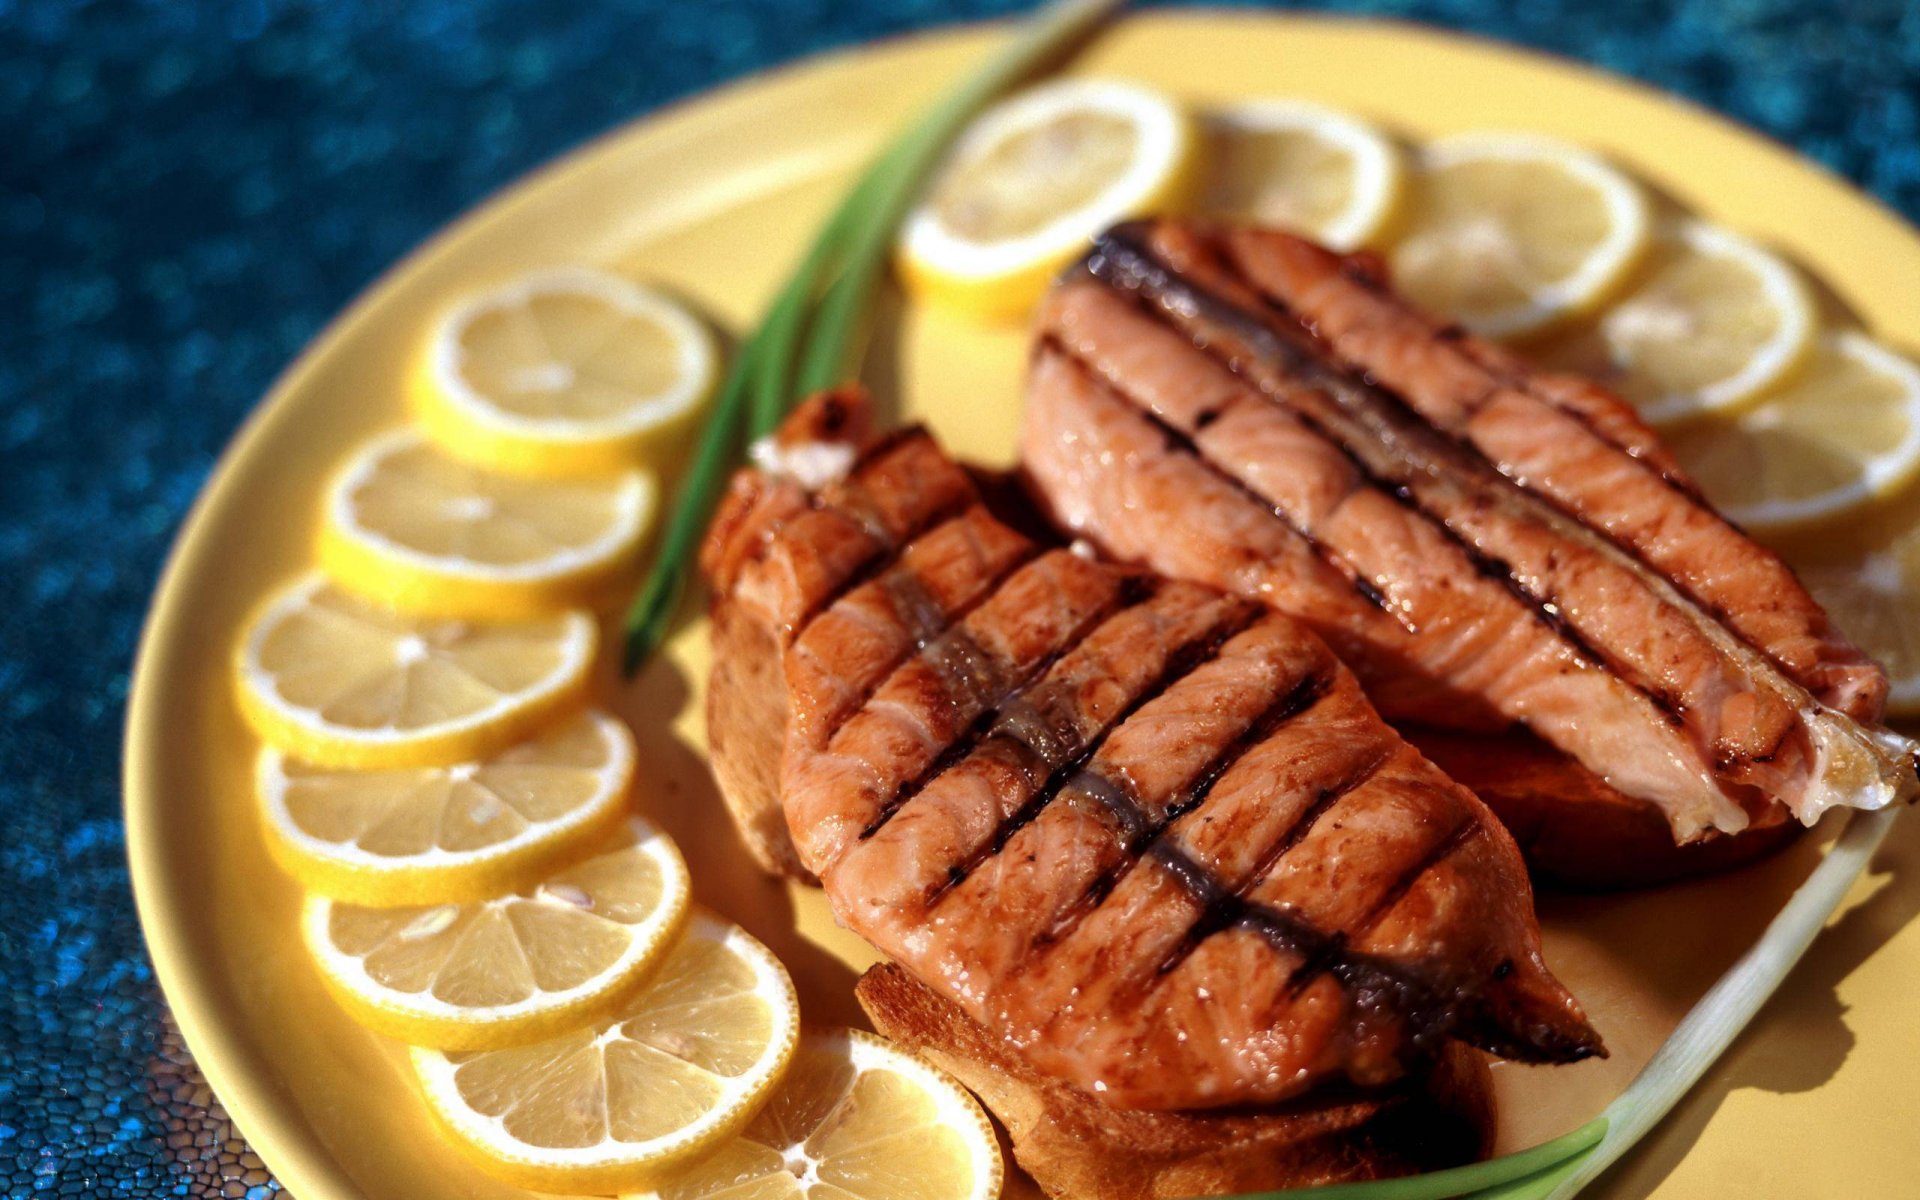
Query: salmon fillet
1152	834
1450	525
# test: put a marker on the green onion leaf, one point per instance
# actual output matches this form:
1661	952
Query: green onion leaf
838	275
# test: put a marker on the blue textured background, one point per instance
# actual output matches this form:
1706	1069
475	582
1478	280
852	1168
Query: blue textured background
187	191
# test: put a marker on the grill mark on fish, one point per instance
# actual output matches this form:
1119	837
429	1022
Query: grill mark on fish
931	620
885	553
1075	774
1446	848
1306	692
961	663
1543	609
1178	440
1219	907
1510	377
1122	263
1373	984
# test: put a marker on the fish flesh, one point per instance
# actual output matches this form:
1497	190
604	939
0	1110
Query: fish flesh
1152	834
1487	548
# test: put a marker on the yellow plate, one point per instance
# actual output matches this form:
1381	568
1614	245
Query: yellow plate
712	199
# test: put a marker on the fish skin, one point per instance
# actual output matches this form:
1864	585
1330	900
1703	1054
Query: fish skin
1059	807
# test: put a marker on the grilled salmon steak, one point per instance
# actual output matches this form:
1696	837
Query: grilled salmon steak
1150	833
1487	547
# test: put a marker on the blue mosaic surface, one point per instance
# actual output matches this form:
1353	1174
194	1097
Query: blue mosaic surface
188	190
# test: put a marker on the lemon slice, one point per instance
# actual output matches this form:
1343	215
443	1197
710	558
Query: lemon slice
1512	233
854	1119
428	835
1866	575
1843	432
564	373
1032	180
411	527
1711	321
676	1070
1321	173
339	682
512	969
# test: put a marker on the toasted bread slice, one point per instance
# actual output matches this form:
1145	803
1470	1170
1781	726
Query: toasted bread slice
746	712
1076	1147
1574	830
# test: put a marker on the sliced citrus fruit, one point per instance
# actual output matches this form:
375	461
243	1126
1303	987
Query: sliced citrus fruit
1319	172
1842	432
511	969
338	681
1708	323
854	1119
1032	180
428	835
677	1069
414	528
1512	233
565	373
1865	571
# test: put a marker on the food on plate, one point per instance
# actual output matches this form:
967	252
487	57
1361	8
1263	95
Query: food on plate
1316	171
1101	811
511	968
431	835
1485	545
1032	179
563	373
338	681
1076	1146
622	1103
854	1118
410	526
1511	234
1708	322
1843	433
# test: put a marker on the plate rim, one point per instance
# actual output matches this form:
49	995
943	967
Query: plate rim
192	988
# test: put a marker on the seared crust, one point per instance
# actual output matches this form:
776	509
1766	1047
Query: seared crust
1075	1146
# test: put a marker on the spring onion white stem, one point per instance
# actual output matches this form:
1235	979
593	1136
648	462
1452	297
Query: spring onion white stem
1730	1004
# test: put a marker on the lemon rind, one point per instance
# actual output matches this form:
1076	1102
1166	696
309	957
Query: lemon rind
1882	474
1379	167
1630	221
1775	361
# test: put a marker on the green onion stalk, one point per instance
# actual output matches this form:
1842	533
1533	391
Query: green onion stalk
805	341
